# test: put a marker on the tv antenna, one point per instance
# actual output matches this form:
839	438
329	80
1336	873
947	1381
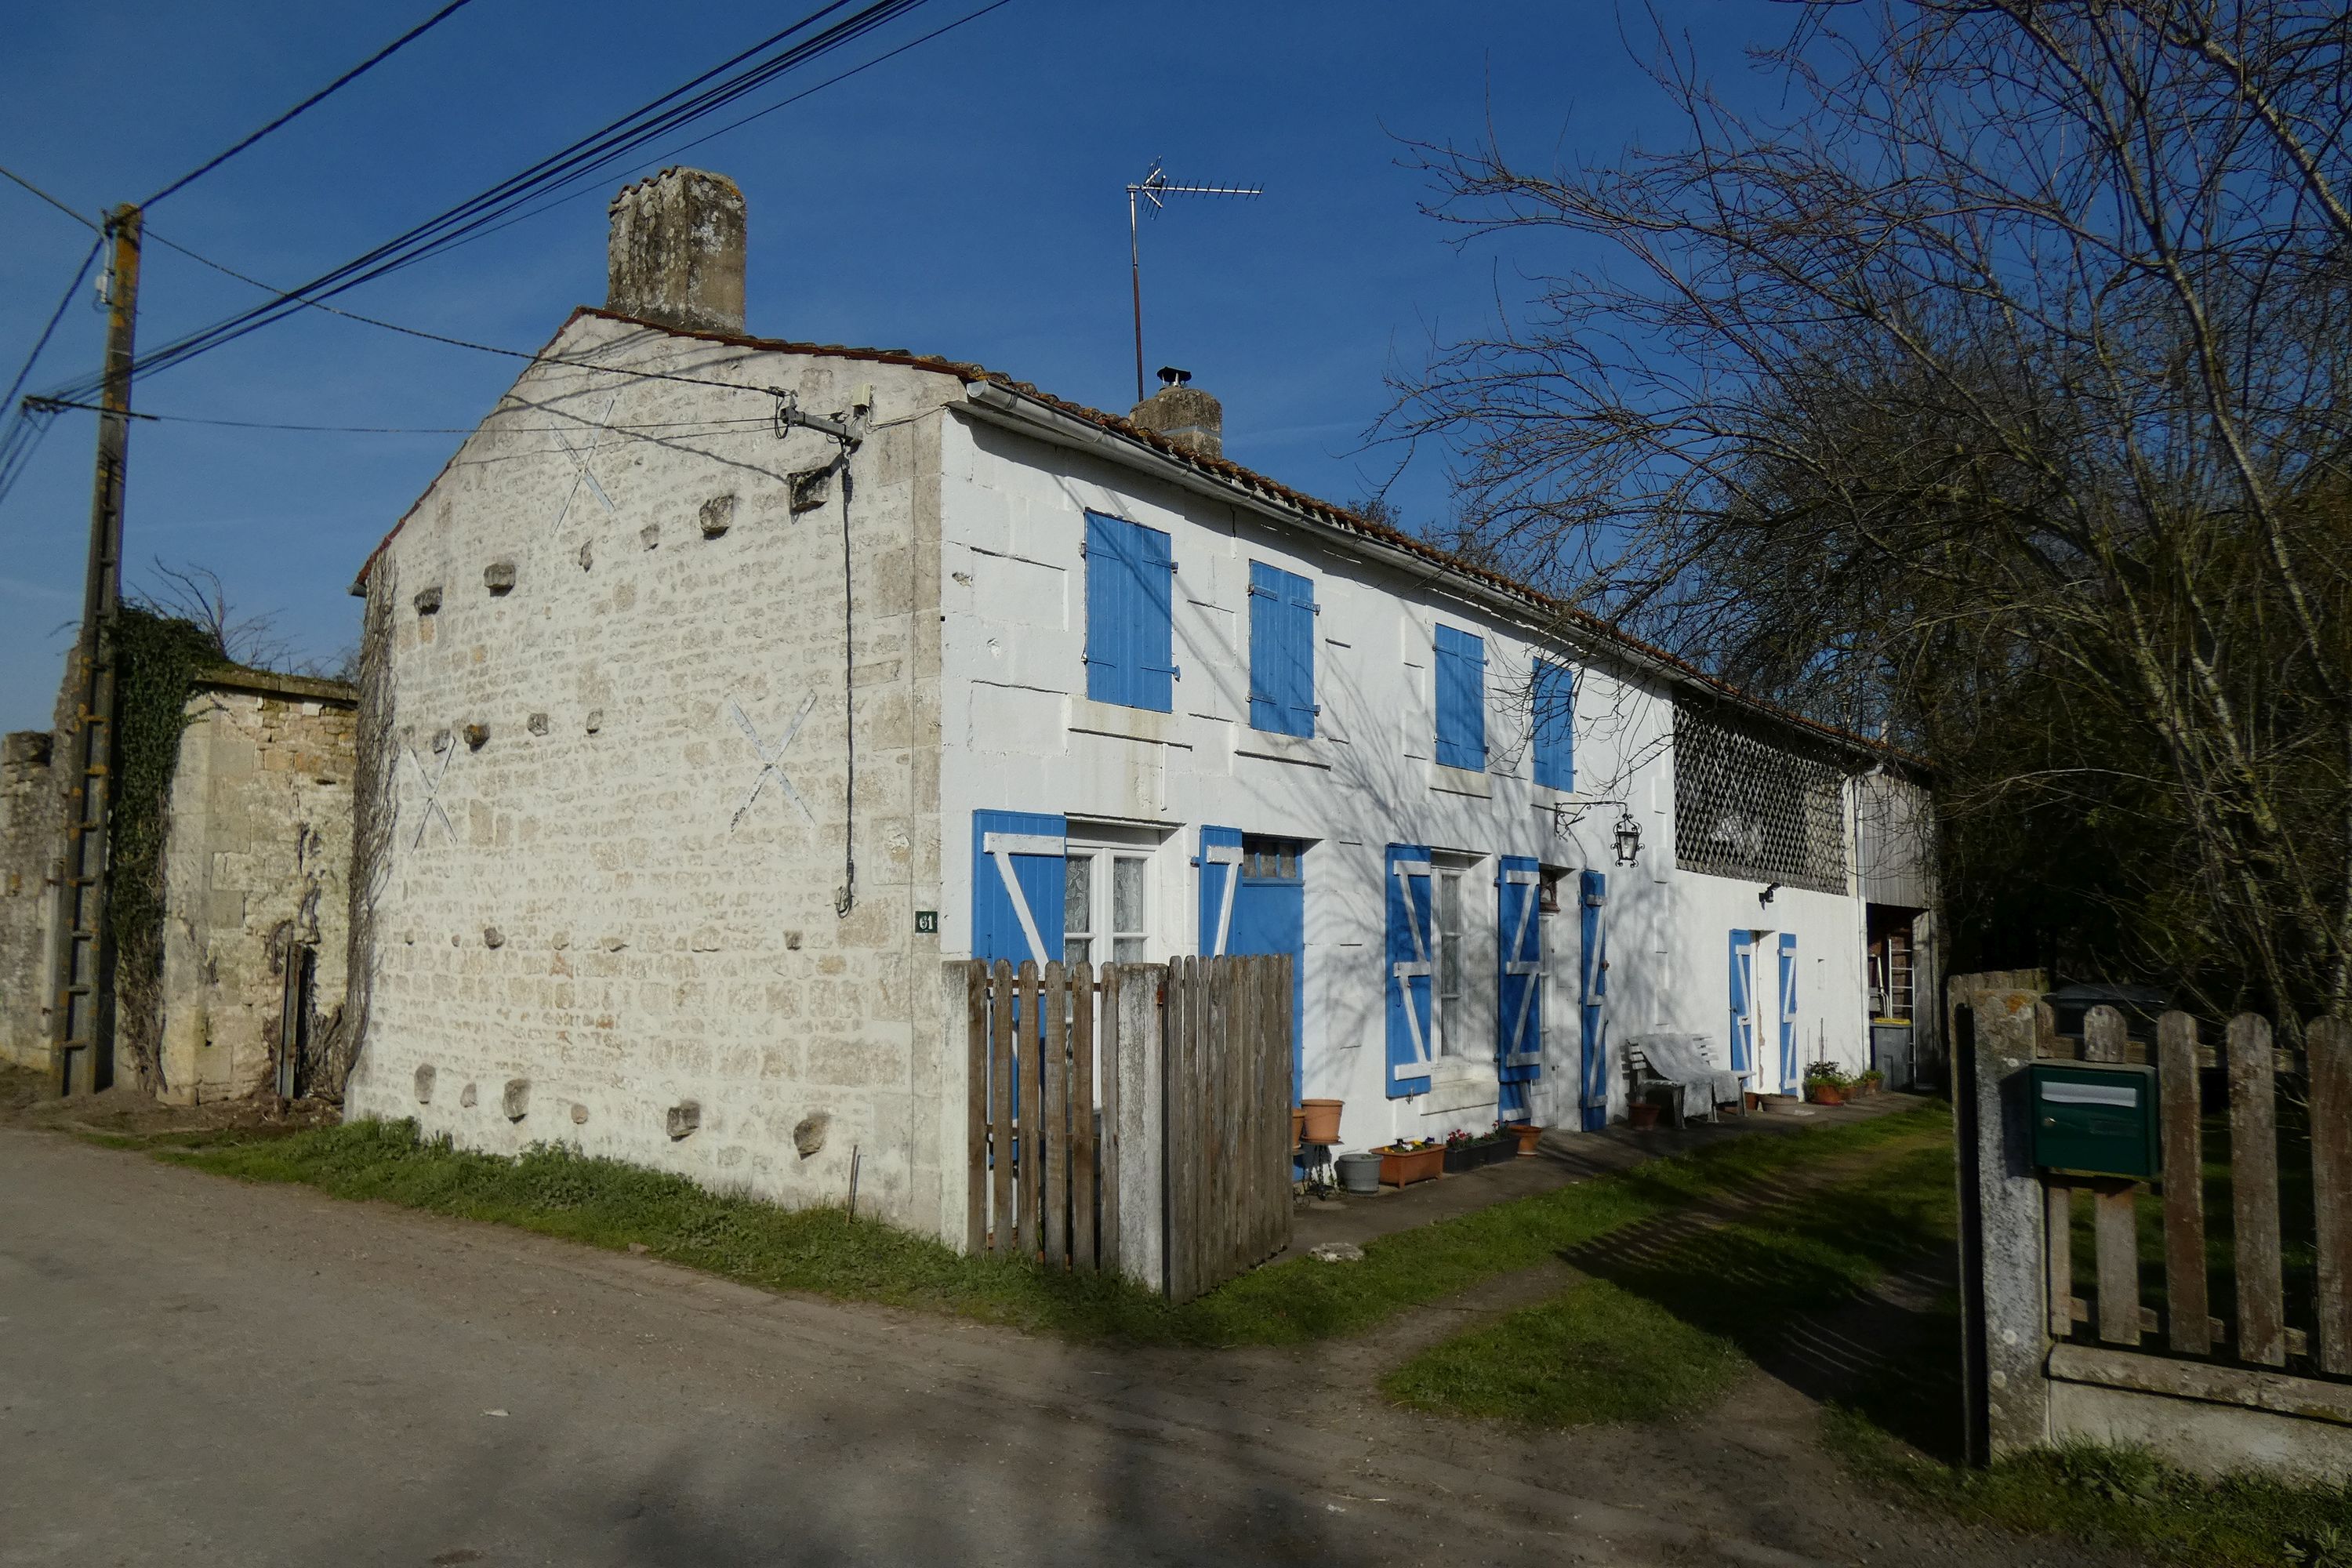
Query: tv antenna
1155	187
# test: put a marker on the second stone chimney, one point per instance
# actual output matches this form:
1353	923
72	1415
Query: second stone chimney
1184	413
676	255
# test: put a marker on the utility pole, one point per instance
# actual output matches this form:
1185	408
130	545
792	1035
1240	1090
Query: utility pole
1154	188
81	1036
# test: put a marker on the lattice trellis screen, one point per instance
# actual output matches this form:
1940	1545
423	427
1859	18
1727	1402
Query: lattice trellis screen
1745	808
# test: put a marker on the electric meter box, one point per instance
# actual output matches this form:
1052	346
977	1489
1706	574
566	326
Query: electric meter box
2094	1120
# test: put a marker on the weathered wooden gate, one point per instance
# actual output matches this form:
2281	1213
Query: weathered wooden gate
1166	1156
2184	1311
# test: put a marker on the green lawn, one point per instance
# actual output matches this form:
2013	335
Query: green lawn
824	1251
1661	1333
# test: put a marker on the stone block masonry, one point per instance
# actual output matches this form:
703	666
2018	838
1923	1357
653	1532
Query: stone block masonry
632	762
31	818
256	869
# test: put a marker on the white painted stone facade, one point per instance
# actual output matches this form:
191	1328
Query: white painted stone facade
582	893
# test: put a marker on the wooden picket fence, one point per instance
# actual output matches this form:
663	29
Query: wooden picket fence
2261	1335
1228	1030
1045	1180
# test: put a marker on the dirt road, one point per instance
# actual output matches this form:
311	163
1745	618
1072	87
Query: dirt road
195	1370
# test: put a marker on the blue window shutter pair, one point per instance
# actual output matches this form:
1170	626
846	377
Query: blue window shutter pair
1408	970
1130	627
1461	700
1281	651
1017	883
1518	929
1555	726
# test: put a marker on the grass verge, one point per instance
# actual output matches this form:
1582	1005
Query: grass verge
1670	1320
822	1250
1666	1327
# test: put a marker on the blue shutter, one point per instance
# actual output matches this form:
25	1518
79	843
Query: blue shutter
1282	651
1130	627
1221	875
1031	845
1407	972
1155	623
1591	893
1461	700
1555	726
1743	949
1789	1013
1518	929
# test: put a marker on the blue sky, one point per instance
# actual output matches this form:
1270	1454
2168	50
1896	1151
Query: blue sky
965	199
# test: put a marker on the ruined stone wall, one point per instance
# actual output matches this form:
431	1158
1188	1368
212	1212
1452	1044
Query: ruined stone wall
254	869
30	821
616	758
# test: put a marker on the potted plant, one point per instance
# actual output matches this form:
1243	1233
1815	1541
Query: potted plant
1826	1084
1460	1153
1642	1113
1497	1145
1870	1081
1411	1160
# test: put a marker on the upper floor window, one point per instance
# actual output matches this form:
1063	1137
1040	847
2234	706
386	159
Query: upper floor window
1130	635
1461	700
1281	651
1555	725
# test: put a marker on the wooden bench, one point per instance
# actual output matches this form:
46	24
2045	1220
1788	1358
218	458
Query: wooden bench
1642	1077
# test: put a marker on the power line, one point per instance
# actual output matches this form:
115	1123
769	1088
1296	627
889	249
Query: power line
54	405
56	316
77	217
667	154
673	109
361	70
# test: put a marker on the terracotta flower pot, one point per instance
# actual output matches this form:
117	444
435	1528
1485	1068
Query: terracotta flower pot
1298	1126
1825	1094
1642	1113
1322	1120
1527	1133
1402	1167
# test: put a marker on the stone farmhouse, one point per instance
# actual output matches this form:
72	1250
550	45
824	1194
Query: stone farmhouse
240	990
720	691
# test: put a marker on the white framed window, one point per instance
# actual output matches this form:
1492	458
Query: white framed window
1453	961
1106	905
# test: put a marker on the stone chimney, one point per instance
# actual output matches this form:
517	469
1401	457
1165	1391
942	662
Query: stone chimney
1184	413
675	256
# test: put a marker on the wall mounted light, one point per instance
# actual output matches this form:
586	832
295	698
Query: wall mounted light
1628	838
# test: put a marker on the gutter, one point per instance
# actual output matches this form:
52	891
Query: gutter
1001	407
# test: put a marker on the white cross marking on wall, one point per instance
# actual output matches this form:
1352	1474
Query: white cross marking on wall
771	762
432	782
582	458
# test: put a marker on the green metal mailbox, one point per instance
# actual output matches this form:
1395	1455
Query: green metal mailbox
2094	1119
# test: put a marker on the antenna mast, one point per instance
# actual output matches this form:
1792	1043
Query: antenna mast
1155	188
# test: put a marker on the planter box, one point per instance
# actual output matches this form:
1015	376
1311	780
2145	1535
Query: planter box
1402	1167
1495	1150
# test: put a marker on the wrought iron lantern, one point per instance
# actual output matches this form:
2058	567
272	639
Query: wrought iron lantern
1628	838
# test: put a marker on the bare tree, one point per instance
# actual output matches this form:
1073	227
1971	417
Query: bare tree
195	594
1994	393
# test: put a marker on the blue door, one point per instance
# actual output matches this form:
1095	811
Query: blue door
1253	901
1519	948
1592	957
1787	1012
1743	1010
1018	874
